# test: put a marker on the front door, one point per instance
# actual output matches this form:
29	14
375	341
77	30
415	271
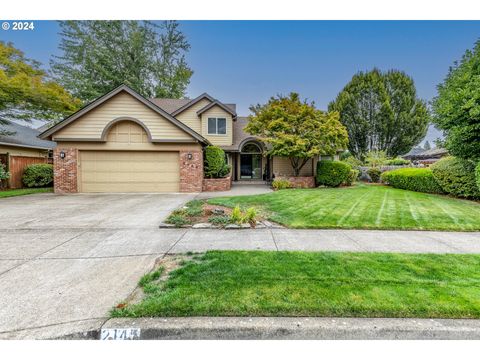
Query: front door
251	166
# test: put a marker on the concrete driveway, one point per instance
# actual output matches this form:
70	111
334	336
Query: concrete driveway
65	260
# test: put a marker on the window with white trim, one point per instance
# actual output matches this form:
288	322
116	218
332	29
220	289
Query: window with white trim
217	126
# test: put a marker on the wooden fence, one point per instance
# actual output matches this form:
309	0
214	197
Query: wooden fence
16	166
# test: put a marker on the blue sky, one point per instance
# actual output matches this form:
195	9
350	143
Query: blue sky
246	62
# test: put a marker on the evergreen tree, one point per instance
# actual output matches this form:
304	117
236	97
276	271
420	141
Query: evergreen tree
456	108
381	112
98	56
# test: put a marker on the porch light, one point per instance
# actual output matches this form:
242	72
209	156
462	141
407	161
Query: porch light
62	154
189	156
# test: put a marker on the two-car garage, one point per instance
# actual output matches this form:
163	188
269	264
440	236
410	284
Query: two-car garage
128	171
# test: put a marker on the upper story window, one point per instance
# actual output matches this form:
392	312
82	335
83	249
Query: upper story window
217	126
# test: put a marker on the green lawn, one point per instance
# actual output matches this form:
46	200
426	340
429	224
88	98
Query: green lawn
362	207
19	192
255	283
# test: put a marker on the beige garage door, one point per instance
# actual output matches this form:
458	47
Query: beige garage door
129	171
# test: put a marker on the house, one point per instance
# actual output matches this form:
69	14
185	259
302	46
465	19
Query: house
19	147
426	157
123	142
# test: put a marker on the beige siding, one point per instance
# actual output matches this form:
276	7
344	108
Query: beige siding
283	167
128	171
131	146
127	132
18	151
190	118
221	140
92	124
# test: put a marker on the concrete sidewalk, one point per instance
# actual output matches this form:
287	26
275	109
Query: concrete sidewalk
199	240
295	328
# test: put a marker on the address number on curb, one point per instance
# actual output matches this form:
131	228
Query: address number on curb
120	334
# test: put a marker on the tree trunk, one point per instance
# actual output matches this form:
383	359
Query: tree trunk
297	165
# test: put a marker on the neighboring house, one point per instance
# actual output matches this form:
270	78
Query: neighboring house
123	142
21	147
426	157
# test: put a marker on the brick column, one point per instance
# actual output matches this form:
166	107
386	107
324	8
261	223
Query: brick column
65	170
191	171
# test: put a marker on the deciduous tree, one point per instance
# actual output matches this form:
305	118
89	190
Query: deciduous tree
26	91
296	129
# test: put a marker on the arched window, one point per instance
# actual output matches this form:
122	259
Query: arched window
251	148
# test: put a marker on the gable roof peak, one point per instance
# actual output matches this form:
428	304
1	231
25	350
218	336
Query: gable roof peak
109	95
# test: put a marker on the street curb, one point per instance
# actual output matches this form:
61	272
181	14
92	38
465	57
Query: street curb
299	328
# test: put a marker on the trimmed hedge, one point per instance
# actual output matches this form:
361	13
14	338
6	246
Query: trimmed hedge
397	162
332	173
38	175
215	164
414	179
456	177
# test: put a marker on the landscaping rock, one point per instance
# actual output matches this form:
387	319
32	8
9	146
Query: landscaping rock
245	226
271	225
166	226
203	226
218	211
232	226
267	223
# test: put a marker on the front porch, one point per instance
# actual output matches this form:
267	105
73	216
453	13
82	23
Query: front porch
251	166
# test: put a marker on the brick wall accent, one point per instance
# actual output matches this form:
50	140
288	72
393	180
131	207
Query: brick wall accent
191	171
300	181
65	170
223	184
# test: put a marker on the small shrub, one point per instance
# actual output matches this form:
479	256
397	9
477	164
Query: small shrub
38	175
397	162
178	218
352	177
236	216
219	220
250	216
374	174
456	177
194	208
4	174
332	173
414	179
215	164
281	184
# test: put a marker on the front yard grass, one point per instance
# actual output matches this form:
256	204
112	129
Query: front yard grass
362	207
256	283
19	192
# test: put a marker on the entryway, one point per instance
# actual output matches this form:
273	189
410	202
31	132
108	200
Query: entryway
251	162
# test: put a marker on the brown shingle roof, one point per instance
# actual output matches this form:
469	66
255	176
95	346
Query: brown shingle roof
239	135
172	105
